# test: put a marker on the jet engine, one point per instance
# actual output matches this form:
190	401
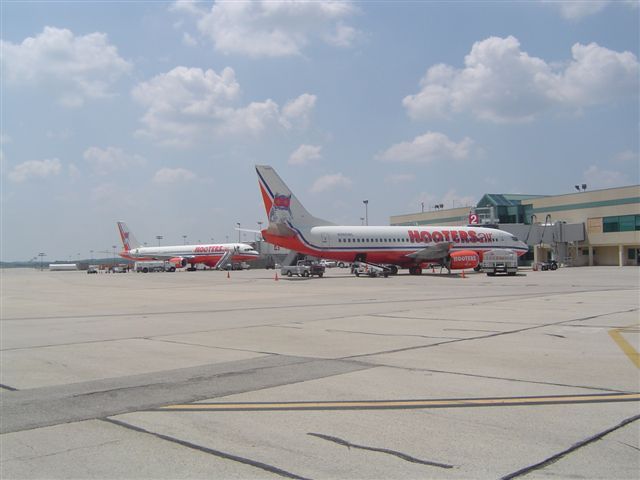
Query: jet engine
463	260
178	262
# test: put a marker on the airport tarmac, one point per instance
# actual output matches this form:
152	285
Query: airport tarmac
197	375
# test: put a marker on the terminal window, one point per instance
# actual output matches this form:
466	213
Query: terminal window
623	223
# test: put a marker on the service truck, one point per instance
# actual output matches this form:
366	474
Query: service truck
499	261
304	268
154	266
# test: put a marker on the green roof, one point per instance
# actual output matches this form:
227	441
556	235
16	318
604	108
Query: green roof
504	199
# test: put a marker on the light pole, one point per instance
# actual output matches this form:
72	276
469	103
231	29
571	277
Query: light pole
184	239
238	223
361	220
366	211
422	204
41	254
114	254
159	237
259	230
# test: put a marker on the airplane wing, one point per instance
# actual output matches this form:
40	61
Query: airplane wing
431	252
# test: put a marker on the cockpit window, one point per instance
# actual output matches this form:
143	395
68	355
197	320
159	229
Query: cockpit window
515	239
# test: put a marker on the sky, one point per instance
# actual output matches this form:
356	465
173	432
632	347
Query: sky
155	113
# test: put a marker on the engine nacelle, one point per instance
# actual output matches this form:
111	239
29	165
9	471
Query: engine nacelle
463	260
178	262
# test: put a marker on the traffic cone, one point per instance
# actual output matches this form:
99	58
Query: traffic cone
276	277
463	274
228	274
433	269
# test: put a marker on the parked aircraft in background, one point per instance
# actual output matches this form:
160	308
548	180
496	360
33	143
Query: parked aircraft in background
211	255
292	226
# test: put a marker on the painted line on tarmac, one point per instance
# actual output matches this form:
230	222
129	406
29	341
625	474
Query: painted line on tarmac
404	404
625	346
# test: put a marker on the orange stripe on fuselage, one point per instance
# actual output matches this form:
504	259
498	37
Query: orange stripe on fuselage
266	199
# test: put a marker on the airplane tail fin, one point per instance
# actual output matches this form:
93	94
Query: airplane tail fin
284	210
128	240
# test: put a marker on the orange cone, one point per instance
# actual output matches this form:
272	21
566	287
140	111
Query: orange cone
463	274
228	275
433	269
276	277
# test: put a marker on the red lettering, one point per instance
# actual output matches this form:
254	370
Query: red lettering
446	235
425	237
414	236
437	236
473	236
454	236
463	236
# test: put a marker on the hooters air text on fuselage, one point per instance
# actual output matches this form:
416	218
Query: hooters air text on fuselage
183	255
293	227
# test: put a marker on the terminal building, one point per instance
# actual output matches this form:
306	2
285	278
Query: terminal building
585	228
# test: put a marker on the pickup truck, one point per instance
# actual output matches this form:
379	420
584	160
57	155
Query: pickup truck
499	261
304	268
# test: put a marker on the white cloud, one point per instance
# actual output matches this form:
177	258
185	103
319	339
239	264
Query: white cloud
627	156
111	159
578	9
597	178
399	178
298	110
187	6
170	176
188	40
187	103
501	83
273	29
427	148
304	154
35	168
73	68
330	182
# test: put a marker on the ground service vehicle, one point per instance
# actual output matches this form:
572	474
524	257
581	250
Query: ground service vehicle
154	266
499	261
304	268
361	268
549	265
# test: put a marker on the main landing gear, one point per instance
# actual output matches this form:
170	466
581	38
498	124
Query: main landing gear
415	270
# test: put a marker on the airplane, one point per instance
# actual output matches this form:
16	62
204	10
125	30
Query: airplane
212	255
292	226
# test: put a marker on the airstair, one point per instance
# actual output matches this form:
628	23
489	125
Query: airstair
224	259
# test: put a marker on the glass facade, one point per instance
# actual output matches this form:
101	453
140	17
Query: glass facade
622	223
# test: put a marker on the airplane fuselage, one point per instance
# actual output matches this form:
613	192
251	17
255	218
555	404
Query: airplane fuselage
391	244
193	254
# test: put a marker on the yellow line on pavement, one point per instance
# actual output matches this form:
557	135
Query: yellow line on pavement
625	346
399	404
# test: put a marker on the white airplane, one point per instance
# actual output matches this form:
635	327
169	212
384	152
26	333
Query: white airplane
292	226
181	255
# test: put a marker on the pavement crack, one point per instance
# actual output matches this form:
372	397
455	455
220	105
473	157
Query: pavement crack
209	451
508	379
482	337
401	455
574	447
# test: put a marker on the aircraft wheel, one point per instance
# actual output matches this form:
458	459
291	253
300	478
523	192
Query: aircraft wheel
305	274
289	274
554	266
